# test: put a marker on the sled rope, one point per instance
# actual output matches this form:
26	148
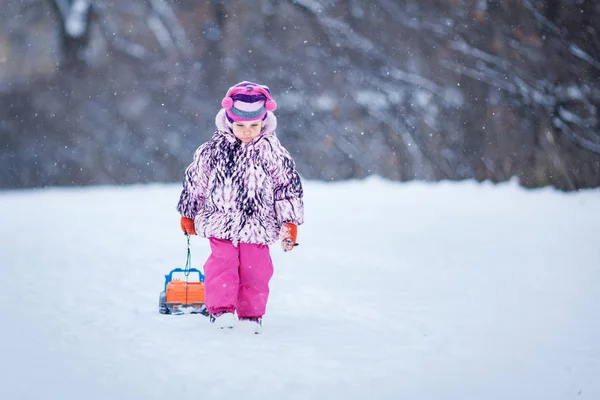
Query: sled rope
188	261
186	270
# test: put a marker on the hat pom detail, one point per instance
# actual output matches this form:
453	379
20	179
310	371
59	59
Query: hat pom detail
227	103
270	105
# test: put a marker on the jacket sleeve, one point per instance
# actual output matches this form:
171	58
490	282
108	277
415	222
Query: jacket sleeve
289	204
195	184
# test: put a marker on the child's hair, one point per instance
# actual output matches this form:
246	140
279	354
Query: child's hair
248	101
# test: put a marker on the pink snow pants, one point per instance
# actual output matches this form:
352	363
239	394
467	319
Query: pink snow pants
237	278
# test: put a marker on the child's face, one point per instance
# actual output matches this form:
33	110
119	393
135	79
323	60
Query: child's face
248	130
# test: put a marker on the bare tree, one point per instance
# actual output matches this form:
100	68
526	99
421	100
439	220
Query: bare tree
407	89
74	26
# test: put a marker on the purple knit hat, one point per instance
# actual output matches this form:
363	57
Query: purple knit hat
248	101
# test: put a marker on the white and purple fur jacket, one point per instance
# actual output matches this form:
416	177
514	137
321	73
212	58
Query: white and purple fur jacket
242	192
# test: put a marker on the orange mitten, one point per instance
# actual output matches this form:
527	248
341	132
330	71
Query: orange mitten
288	235
187	226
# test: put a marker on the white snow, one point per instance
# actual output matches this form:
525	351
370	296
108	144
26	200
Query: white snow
76	18
578	52
371	99
397	291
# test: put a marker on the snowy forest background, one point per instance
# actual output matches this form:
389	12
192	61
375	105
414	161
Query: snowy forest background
110	92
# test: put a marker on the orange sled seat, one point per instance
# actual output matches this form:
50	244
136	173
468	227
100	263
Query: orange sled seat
180	293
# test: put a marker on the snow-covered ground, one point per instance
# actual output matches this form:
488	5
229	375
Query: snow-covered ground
413	291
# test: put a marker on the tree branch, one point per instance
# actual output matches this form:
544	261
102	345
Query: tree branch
170	25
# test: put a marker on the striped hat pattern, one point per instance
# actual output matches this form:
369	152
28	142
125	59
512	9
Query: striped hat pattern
248	101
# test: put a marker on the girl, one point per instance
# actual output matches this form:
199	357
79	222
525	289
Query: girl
242	192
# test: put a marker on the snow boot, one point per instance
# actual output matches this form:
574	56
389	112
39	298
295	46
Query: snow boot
251	324
222	320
